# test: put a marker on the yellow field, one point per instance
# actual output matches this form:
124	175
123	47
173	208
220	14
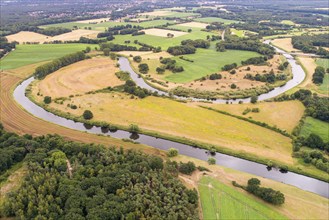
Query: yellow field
194	24
79	78
98	20
284	115
156	13
163	33
27	36
178	119
284	43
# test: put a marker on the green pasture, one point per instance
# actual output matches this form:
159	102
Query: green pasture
207	61
29	54
325	64
215	19
219	201
312	125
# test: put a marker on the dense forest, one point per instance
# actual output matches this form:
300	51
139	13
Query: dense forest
69	180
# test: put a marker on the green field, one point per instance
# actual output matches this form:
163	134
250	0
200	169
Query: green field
312	125
207	61
219	201
288	22
215	19
102	26
325	64
239	33
163	42
29	54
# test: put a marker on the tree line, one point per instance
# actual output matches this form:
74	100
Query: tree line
251	44
72	180
312	44
188	47
45	69
5	46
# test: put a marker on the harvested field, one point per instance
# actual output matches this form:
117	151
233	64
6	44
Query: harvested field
79	78
284	115
75	35
163	32
284	43
194	24
182	120
27	36
156	13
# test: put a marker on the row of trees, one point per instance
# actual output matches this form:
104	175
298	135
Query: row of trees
267	77
255	61
86	181
45	69
169	64
318	75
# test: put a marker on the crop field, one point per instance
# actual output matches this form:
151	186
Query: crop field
289	22
284	115
81	77
207	61
219	201
169	14
312	125
26	36
163	33
181	120
29	54
101	26
194	25
215	19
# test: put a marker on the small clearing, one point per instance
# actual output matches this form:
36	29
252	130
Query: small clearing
163	33
284	43
194	24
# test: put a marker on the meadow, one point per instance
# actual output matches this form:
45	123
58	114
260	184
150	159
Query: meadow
325	64
220	201
284	115
29	54
312	125
181	120
207	61
215	19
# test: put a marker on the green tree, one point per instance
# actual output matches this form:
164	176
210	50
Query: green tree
137	59
47	99
133	128
143	68
160	70
253	99
106	51
87	114
211	161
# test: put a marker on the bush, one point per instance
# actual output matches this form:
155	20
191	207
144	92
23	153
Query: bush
137	59
87	114
134	128
211	161
47	99
253	99
160	70
187	168
233	86
172	152
143	68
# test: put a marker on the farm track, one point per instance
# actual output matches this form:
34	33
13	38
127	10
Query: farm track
16	119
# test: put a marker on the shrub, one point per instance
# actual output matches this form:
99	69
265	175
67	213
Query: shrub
253	99
137	59
233	86
87	114
172	152
211	160
47	99
134	128
187	168
143	68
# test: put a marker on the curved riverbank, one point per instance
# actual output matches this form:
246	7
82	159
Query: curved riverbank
300	181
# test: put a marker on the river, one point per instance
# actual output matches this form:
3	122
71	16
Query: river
300	181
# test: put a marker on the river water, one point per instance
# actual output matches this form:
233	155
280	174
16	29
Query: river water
300	181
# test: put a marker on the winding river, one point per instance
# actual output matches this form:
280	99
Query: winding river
300	181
